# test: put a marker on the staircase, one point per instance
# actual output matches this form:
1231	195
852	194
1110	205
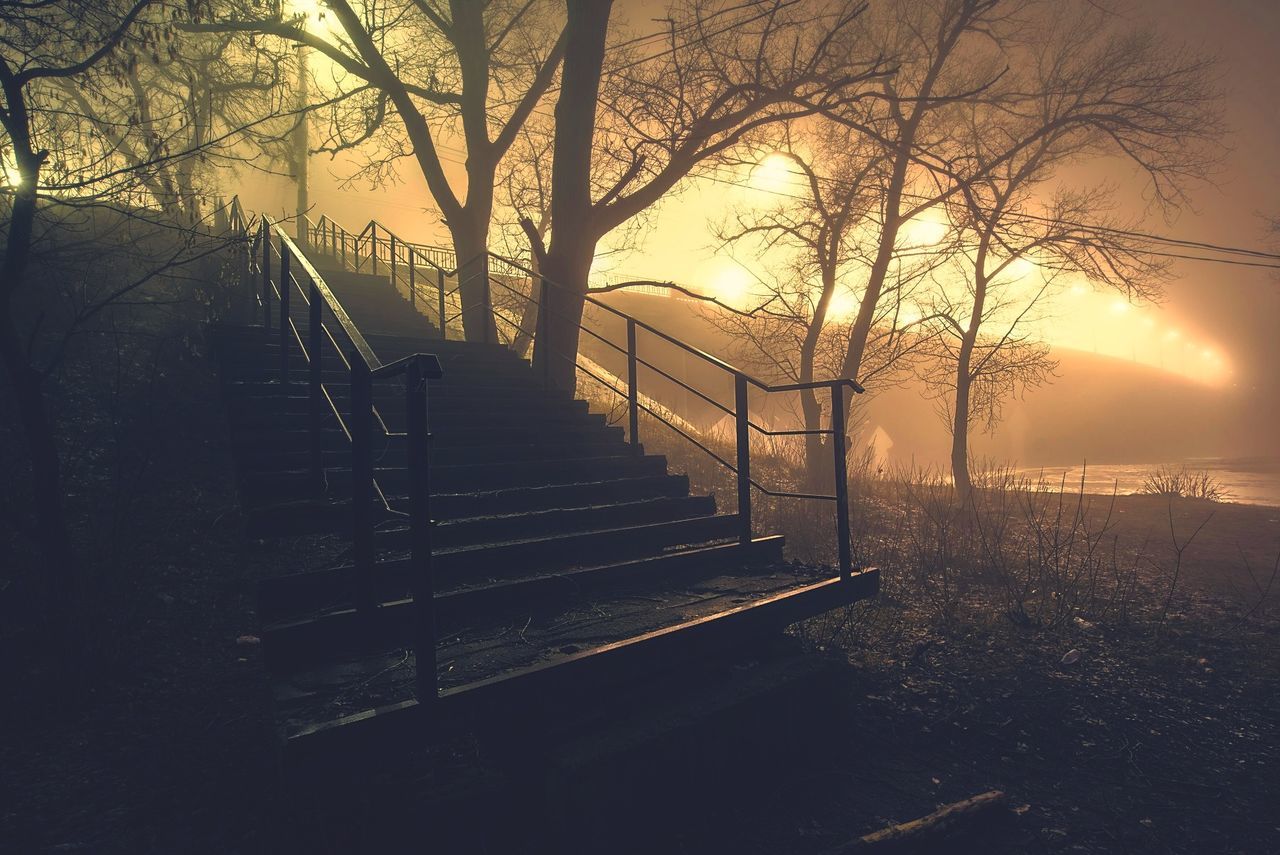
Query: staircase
564	561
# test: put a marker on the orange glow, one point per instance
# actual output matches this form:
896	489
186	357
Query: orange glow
928	229
728	282
775	174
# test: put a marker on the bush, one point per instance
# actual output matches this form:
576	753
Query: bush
1183	483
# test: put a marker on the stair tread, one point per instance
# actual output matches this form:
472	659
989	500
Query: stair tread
354	683
708	557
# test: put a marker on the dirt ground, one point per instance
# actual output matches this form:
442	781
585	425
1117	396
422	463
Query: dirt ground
1142	740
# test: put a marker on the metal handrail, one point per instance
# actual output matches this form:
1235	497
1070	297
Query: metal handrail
369	241
364	366
702	354
744	425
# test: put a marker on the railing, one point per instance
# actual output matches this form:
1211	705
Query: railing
276	270
740	411
379	250
423	272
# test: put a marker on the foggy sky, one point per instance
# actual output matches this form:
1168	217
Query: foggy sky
1236	307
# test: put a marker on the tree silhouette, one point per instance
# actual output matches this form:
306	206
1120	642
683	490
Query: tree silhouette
669	115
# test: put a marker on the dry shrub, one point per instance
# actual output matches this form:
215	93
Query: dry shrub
1039	553
1184	483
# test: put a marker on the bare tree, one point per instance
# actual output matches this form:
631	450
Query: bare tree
947	53
823	228
724	74
68	187
467	70
1089	89
44	43
189	92
523	217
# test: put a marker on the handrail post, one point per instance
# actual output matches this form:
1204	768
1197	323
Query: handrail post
344	250
245	254
842	479
633	396
413	288
744	458
542	343
315	403
362	485
489	319
284	318
373	247
393	261
266	276
444	325
415	392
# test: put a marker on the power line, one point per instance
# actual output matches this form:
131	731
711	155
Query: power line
1097	229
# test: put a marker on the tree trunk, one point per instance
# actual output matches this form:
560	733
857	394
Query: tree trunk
528	313
556	350
471	246
964	384
819	465
960	431
60	582
574	236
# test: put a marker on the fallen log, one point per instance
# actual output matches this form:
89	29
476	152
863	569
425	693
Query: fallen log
942	821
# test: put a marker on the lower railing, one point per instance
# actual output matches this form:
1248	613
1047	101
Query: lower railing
275	271
538	298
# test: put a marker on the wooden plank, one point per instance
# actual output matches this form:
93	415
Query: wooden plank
324	636
581	675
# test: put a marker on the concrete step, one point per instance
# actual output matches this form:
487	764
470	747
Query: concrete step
519	385
288	433
478	565
522	404
319	514
475	531
392	452
268	487
266	411
294	637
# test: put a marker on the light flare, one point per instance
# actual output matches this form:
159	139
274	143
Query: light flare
775	173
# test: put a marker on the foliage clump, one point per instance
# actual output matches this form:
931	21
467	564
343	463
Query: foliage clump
1184	483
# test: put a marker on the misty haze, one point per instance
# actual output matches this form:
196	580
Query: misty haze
779	426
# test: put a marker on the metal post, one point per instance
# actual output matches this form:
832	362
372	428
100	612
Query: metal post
300	146
373	246
315	402
266	276
413	288
284	318
633	396
344	250
542	344
362	487
744	458
415	395
842	479
444	326
393	261
245	252
489	319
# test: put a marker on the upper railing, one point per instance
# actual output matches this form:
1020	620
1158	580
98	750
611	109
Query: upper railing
520	301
